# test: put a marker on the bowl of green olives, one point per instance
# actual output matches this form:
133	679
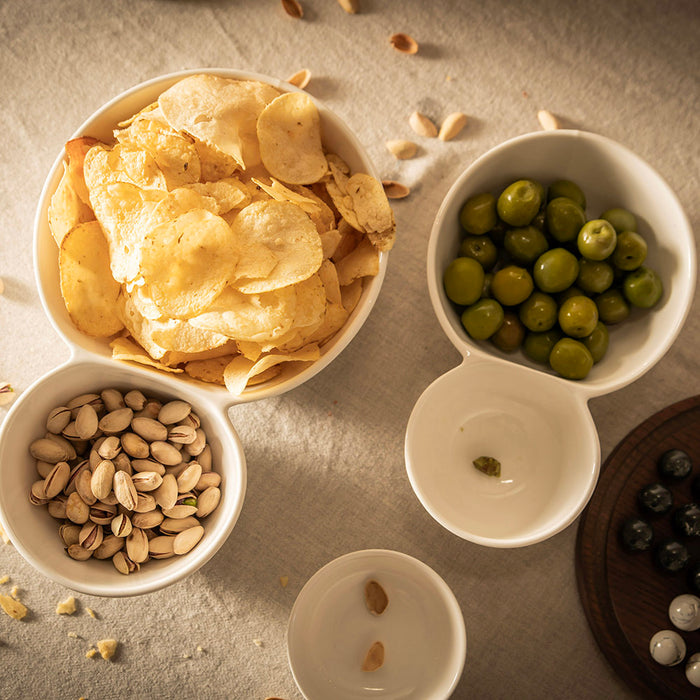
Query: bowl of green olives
562	267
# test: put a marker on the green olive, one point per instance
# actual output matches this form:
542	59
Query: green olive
594	277
538	346
538	312
630	251
596	239
571	359
564	219
525	244
518	204
597	342
621	219
555	270
578	316
643	288
572	291
478	214
612	306
567	188
510	335
463	280
482	319
481	248
511	285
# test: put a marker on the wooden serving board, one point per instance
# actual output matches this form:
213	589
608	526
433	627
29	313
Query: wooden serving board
624	595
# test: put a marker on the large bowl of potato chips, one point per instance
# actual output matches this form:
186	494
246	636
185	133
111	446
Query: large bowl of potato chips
220	227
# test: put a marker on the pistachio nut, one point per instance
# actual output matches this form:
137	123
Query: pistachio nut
180	510
86	422
70	433
77	510
58	419
57	507
90	536
206	480
165	453
109	547
134	445
57	480
195	447
166	494
112	399
191	419
189	477
147	481
102	513
182	434
137	545
144	503
152	518
43	468
123	563
149	429
187	539
161	547
134	399
376	598
78	401
37	495
70	445
69	533
124	490
173	526
204	458
83	487
147	465
111	500
116	421
75	551
49	451
102	478
174	412
75	472
121	525
207	501
123	463
110	447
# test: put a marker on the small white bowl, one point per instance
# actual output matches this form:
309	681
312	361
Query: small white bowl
337	138
535	423
422	629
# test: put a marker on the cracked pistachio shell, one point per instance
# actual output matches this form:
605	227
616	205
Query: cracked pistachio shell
57	480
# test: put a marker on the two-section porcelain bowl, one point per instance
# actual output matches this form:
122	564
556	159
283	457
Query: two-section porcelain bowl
536	424
90	368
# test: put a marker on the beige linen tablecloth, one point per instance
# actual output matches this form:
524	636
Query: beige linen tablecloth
326	466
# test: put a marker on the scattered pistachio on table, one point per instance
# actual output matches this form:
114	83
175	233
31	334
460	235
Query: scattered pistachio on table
128	477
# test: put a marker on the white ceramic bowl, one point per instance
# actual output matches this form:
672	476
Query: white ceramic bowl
502	405
90	368
422	629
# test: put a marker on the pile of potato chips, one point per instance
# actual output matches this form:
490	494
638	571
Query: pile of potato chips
216	236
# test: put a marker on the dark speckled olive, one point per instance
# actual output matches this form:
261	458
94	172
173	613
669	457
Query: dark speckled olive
655	499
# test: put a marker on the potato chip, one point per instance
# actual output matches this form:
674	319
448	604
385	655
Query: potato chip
228	193
283	233
289	132
349	238
330	240
89	291
211	370
104	166
253	317
214	164
351	294
174	154
333	320
265	375
222	113
66	209
328	274
179	202
124	211
200	253
240	370
126	350
372	209
363	261
76	150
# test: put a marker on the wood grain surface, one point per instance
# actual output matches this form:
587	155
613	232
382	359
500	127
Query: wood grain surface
624	595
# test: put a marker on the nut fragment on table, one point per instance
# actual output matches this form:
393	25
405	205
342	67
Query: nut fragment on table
452	126
350	6
301	78
7	393
293	8
402	149
404	43
107	648
422	125
117	473
66	607
395	190
547	120
12	607
374	659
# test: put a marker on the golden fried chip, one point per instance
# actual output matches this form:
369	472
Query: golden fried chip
66	209
124	211
329	276
211	370
89	291
104	166
330	240
372	209
351	294
220	112
363	261
128	351
174	154
265	375
253	317
76	150
282	233
186	262
240	370
333	320
289	132
228	193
